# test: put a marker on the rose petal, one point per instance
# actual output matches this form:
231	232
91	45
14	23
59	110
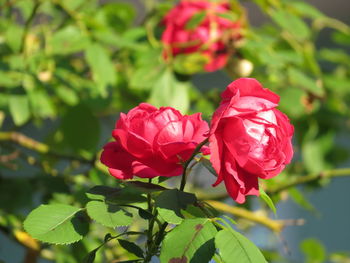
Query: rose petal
250	87
118	160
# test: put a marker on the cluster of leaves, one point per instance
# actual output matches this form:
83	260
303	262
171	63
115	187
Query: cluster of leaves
67	68
202	237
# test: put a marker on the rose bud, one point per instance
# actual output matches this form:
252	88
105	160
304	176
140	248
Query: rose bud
249	138
201	27
152	142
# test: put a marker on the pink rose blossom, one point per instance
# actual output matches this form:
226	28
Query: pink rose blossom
249	138
152	142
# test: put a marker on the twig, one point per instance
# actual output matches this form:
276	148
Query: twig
341	172
39	147
187	163
149	244
24	141
275	225
310	178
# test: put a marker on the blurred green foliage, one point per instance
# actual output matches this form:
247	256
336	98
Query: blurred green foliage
68	67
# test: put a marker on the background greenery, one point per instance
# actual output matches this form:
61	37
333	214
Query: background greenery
67	68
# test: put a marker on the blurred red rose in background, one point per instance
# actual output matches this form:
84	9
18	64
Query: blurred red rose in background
249	138
152	142
205	27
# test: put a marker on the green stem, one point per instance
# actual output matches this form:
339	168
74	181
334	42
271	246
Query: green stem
161	235
150	243
187	163
311	178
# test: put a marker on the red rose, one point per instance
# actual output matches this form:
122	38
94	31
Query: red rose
249	138
210	37
152	142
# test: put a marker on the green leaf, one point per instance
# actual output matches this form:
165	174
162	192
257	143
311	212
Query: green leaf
234	246
291	23
13	36
117	196
229	16
264	196
67	95
26	8
195	20
207	164
41	104
56	224
168	91
310	62
341	38
145	214
131	247
300	79
313	156
290	103
108	215
170	202
119	15
306	9
233	222
145	187
103	70
10	79
81	129
191	241
193	211
300	199
335	55
340	84
19	109
72	5
68	40
314	251
144	78
90	258
102	192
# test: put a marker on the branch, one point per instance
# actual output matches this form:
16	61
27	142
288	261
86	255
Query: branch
24	141
187	163
275	225
310	178
39	147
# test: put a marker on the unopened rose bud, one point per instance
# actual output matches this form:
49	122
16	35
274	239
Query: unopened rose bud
45	76
242	68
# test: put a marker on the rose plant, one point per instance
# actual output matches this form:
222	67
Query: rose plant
67	69
248	139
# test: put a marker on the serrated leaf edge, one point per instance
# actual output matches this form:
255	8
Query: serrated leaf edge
55	243
93	219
